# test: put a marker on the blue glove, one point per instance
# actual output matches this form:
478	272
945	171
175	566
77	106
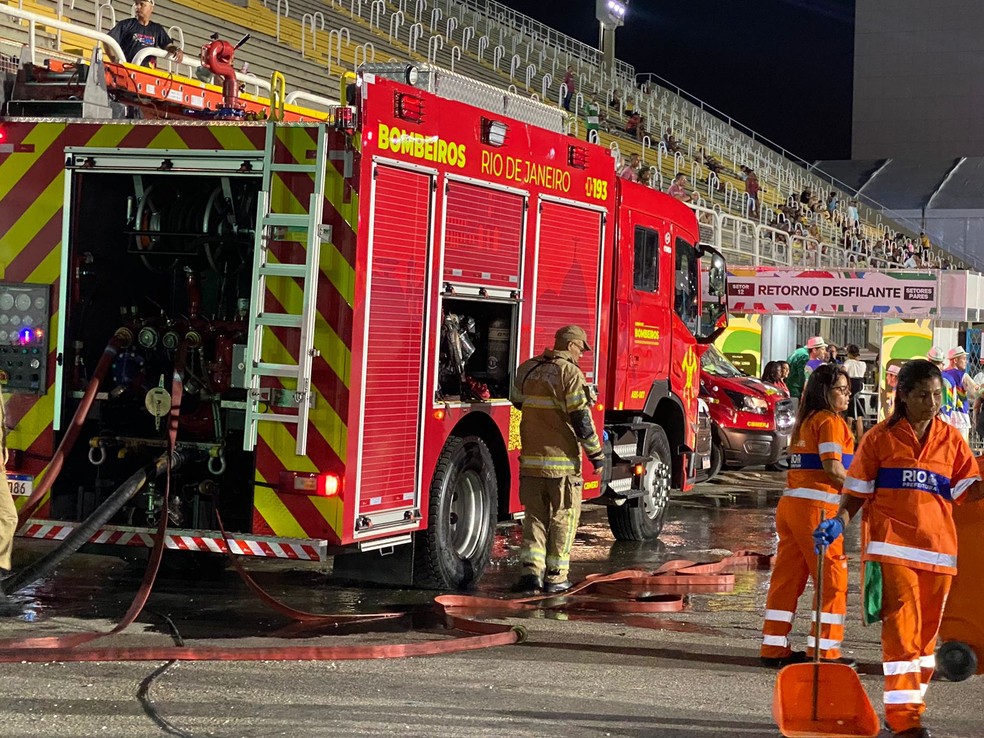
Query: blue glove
827	532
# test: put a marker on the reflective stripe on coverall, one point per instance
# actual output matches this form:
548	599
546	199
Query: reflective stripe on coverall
909	489
549	388
810	497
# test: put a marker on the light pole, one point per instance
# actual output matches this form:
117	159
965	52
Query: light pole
610	15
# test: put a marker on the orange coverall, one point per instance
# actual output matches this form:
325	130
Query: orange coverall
909	492
811	496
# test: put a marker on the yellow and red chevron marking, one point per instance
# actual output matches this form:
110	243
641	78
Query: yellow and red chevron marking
298	515
32	192
183	540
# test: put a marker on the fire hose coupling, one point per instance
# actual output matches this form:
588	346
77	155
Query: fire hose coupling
521	633
123	337
363	522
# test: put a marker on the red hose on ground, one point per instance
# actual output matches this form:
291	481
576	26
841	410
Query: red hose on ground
636	592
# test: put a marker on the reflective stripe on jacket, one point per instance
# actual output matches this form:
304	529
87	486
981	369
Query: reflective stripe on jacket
909	492
548	388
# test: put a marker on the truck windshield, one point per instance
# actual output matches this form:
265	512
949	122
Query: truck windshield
687	279
713	362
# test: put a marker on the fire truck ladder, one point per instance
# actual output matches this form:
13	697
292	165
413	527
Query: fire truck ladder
271	226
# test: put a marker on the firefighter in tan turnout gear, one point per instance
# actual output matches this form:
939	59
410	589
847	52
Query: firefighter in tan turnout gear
551	391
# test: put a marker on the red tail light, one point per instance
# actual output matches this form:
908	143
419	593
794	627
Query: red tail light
329	485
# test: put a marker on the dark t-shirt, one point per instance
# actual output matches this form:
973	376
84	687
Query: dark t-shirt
132	37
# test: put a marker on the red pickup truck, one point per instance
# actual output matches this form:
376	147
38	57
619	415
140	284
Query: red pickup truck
752	420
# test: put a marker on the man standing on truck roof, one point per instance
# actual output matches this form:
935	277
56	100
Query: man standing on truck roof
551	391
140	32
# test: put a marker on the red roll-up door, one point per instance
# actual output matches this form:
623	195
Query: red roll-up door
482	237
400	237
567	263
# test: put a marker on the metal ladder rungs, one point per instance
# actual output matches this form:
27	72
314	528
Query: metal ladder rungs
287	220
284	270
278	417
268	369
308	168
279	320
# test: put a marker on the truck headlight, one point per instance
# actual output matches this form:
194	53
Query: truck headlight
748	403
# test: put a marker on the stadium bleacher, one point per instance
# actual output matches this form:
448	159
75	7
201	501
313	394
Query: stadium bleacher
314	42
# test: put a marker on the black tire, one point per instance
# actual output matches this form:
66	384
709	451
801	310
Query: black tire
455	550
956	661
641	519
717	461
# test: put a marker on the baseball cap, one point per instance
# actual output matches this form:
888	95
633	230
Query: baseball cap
955	353
572	333
893	369
936	355
815	342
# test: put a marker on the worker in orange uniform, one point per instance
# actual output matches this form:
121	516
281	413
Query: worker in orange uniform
819	454
908	472
551	391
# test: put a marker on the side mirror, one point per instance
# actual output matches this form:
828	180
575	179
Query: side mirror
714	294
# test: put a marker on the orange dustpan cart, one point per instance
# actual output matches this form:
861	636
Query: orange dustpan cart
962	631
822	700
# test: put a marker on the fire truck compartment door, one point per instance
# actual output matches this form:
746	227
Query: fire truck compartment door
483	235
568	276
392	351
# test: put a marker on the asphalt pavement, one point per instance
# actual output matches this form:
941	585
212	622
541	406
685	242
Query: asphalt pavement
679	675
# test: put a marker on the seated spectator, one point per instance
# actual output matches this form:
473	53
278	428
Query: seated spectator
678	189
633	125
645	176
805	196
671	143
630	170
831	204
140	32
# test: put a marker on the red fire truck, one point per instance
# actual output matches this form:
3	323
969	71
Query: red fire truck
343	304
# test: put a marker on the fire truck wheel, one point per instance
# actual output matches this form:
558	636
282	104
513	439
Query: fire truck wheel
457	545
641	519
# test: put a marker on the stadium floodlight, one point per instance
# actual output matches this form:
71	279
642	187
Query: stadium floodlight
611	13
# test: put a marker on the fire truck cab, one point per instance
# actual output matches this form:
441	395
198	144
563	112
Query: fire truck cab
340	307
